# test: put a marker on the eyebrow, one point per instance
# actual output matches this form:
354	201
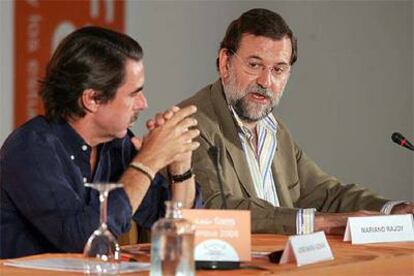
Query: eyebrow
259	58
136	91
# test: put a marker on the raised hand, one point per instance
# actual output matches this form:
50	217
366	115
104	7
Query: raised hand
137	142
161	117
183	161
170	138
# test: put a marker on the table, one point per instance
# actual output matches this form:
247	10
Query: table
371	259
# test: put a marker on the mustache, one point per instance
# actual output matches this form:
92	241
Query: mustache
261	90
134	117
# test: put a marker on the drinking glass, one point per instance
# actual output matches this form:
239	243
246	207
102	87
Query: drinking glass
102	250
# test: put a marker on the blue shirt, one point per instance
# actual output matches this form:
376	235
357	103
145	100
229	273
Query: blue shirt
44	205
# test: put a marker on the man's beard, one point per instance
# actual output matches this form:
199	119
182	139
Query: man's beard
246	109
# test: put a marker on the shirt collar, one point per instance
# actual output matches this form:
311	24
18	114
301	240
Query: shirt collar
75	143
269	122
70	138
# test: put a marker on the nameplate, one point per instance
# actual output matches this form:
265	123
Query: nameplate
373	229
307	249
221	235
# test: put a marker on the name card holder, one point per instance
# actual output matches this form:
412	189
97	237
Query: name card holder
307	249
374	229
222	237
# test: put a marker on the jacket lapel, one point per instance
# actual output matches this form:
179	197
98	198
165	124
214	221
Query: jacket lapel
232	140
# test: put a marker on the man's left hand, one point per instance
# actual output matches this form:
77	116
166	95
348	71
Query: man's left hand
183	163
403	208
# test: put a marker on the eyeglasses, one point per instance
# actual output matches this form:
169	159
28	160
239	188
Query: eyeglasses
255	68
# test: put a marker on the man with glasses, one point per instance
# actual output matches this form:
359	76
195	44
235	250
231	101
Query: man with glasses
262	168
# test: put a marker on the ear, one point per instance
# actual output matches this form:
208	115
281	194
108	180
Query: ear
88	100
224	64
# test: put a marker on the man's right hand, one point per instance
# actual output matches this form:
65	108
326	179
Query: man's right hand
335	223
166	143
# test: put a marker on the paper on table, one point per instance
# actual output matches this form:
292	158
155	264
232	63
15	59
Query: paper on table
74	265
134	249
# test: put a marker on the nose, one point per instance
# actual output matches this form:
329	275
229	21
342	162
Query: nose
140	102
265	78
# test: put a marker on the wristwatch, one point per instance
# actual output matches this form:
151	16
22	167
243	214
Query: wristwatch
181	177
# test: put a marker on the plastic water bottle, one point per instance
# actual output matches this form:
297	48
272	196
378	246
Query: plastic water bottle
172	243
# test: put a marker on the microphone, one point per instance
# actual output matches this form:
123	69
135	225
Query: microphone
214	154
399	139
213	151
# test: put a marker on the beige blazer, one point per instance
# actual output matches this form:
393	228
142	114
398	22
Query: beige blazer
300	183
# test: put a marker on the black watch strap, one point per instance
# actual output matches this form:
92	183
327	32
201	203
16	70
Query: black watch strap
181	177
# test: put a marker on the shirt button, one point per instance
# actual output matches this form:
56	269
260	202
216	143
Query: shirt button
72	157
85	180
84	147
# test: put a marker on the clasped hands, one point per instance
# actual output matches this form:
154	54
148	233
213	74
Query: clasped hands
170	140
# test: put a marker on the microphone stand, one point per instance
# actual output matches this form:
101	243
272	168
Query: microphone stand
218	265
